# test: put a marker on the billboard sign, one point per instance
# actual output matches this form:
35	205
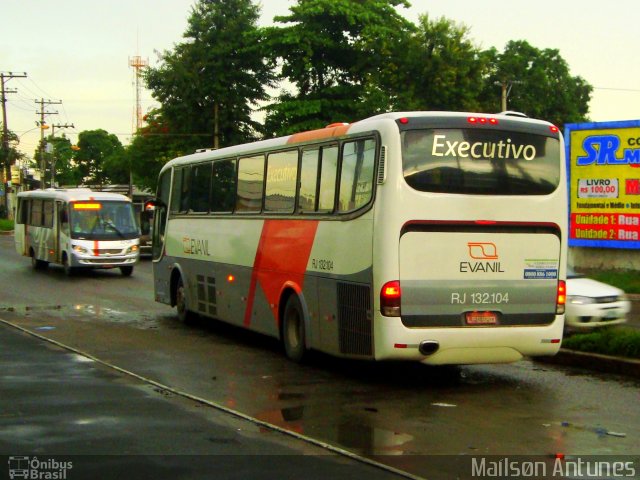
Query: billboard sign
604	184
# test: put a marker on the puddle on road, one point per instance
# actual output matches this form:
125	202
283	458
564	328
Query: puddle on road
88	313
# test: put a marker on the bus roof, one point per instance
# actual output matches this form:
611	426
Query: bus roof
73	194
337	130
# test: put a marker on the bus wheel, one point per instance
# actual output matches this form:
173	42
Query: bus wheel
68	269
185	315
293	335
126	271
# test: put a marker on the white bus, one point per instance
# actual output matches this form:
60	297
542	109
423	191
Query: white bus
429	236
77	228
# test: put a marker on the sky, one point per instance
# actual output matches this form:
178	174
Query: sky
78	52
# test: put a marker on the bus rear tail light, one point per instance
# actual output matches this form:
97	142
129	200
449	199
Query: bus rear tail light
561	298
390	296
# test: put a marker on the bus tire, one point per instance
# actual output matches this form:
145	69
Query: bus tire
68	269
293	330
185	315
126	270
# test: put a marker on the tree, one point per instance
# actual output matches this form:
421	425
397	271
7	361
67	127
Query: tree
60	159
339	55
539	84
209	85
100	159
443	69
151	148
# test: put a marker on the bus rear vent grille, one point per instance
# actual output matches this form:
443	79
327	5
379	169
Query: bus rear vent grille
207	295
354	319
382	166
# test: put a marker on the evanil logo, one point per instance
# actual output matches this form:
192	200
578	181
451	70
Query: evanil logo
486	258
195	246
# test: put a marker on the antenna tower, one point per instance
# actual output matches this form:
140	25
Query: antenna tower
138	63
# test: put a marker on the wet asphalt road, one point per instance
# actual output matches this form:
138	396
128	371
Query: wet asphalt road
400	413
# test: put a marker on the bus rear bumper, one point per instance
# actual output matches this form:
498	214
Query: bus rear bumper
463	346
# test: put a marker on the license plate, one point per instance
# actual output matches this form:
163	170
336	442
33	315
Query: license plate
481	318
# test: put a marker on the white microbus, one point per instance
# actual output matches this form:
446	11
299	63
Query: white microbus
77	228
429	236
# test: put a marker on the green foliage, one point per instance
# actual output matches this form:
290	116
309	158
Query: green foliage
101	158
540	84
442	70
622	342
6	225
66	172
220	67
627	280
341	57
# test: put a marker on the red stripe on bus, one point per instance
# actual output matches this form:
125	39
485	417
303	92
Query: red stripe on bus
318	134
282	257
95	248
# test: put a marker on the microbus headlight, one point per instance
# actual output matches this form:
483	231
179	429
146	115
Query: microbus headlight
132	249
80	249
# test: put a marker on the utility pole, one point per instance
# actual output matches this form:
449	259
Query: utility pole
43	127
53	158
138	63
506	86
5	77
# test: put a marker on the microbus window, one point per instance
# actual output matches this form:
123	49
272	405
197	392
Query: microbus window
282	174
48	213
36	213
185	190
250	184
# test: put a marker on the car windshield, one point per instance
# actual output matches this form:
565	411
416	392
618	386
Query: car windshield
103	220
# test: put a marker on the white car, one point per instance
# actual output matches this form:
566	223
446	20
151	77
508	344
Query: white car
592	304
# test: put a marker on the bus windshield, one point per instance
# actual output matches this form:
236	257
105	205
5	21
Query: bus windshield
103	220
481	162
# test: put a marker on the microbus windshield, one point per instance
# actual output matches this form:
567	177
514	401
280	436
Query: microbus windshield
102	220
480	162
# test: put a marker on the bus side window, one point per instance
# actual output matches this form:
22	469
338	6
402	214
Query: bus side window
356	174
250	184
200	184
223	186
282	174
328	175
307	197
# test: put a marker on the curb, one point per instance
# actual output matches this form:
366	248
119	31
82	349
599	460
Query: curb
6	232
594	361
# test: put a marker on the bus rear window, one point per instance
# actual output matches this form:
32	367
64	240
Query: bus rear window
480	162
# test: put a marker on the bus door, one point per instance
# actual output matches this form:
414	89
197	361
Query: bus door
61	227
20	228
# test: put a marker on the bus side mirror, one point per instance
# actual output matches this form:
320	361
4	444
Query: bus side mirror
64	217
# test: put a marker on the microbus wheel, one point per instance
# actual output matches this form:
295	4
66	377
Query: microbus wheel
184	314
38	264
293	333
126	271
68	269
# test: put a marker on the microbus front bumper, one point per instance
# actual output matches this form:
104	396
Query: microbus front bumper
104	258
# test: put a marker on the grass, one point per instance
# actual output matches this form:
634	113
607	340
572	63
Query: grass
619	342
6	225
627	280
